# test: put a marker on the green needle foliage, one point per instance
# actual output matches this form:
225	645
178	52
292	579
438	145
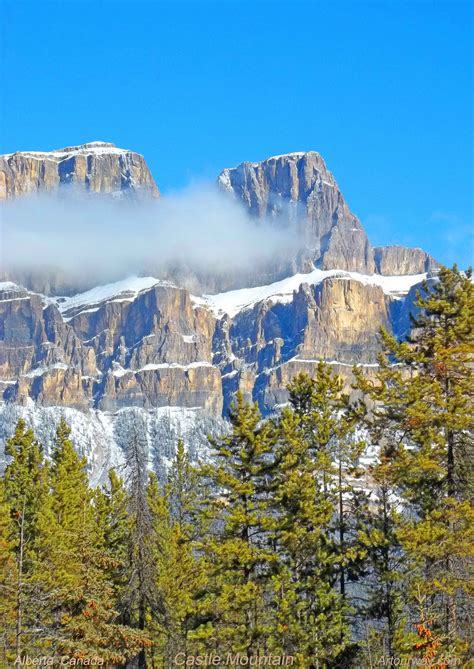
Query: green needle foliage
287	541
312	542
422	417
9	581
236	550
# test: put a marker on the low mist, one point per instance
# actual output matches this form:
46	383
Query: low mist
90	239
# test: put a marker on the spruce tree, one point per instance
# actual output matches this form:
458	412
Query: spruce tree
380	595
25	488
8	582
423	403
72	567
140	604
181	572
237	549
307	489
111	511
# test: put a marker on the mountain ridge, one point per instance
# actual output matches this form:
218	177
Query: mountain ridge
299	187
96	167
148	344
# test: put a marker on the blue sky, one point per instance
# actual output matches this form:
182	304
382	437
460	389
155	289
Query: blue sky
383	90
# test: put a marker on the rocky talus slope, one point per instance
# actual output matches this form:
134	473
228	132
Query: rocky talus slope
148	350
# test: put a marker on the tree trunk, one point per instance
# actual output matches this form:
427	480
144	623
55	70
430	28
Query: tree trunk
342	579
19	602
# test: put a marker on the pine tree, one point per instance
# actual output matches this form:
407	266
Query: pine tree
8	582
141	604
111	511
423	403
182	490
71	566
237	549
307	489
181	572
24	489
381	592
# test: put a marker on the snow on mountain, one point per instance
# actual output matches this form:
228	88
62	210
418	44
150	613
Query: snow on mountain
103	437
94	148
292	154
125	290
10	286
120	371
234	301
230	302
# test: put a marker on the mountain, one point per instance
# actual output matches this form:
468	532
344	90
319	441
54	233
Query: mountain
97	167
149	349
147	345
298	187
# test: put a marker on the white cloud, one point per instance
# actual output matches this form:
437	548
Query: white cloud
92	236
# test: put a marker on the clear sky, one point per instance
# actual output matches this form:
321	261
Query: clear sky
383	90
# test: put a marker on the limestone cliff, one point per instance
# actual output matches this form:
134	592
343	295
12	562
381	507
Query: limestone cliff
149	344
298	188
295	190
96	167
398	260
149	350
142	347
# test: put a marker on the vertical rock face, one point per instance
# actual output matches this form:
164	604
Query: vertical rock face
337	320
399	260
298	187
148	344
144	348
97	167
41	357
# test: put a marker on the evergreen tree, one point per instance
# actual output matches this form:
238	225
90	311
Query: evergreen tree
8	582
183	494
181	573
380	591
310	606
423	403
237	550
141	605
329	422
71	566
111	510
24	489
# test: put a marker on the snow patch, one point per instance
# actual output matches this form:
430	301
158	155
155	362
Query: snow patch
103	437
234	301
293	154
189	339
126	289
91	148
120	371
39	371
10	286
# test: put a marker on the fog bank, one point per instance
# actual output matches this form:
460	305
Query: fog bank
92	239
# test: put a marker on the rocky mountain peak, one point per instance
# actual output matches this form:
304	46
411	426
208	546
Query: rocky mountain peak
90	145
147	347
297	189
308	163
96	167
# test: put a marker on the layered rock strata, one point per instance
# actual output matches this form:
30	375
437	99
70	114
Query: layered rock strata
95	167
297	189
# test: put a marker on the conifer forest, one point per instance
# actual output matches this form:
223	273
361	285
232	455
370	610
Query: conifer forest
337	533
